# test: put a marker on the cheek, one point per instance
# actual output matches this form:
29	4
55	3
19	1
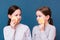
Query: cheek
19	19
45	19
37	18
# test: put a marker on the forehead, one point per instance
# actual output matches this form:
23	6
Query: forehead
39	13
18	11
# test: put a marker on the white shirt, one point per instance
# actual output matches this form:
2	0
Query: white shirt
22	32
48	34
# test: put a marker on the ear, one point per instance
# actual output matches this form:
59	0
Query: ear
47	17
9	16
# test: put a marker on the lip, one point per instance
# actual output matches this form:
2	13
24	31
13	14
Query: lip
19	19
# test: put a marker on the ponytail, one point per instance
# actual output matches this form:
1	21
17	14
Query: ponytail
50	21
9	21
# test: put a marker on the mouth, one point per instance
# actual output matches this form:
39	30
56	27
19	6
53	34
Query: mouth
19	20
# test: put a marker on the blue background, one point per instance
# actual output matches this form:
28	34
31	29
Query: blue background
28	12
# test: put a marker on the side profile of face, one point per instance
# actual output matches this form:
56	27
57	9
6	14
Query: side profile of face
16	16
41	18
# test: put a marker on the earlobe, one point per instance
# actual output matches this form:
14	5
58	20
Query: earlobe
9	16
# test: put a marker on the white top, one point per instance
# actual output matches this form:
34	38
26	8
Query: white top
48	34
22	32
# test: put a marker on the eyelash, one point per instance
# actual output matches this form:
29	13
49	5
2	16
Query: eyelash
17	15
38	16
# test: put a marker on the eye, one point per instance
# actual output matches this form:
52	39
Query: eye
16	15
19	14
39	15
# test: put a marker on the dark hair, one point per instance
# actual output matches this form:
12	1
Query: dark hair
46	11
12	9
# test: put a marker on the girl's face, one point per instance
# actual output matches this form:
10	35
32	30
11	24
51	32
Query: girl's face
41	16
16	14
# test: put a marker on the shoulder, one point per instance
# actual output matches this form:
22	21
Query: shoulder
24	26
35	28
52	27
6	27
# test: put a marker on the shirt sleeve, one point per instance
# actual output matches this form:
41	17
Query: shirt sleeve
35	34
51	35
8	34
28	35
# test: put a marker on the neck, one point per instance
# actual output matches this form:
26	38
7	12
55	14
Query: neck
46	23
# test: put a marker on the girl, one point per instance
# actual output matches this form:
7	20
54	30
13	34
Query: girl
45	30
15	30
